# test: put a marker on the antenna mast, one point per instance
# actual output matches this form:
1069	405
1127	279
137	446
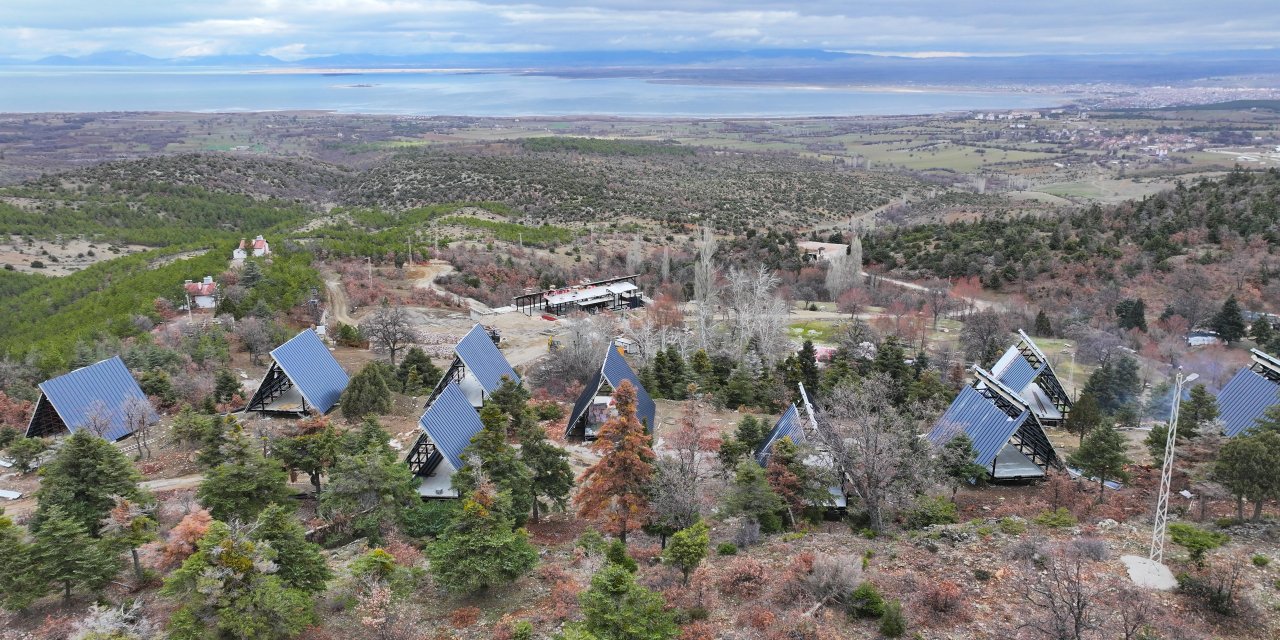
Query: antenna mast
1166	472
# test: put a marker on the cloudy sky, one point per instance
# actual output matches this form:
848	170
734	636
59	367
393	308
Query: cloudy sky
300	28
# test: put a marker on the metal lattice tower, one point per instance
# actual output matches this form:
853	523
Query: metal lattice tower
1166	472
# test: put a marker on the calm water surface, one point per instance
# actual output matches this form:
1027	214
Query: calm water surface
24	89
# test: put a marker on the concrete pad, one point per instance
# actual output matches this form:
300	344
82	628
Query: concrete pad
1148	573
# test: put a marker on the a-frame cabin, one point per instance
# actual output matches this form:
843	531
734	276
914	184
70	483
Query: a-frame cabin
1026	370
447	428
595	406
98	393
1249	394
477	369
304	377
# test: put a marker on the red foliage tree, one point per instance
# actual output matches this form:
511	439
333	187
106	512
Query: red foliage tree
14	413
616	486
182	538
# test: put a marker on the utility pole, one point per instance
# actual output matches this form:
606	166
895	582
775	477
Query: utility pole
369	260
1166	472
411	249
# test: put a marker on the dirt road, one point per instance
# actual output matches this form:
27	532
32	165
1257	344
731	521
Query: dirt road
27	505
338	307
425	276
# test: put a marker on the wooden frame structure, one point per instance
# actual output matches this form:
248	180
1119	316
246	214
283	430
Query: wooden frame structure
611	294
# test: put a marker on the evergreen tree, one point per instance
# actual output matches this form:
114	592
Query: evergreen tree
20	582
551	477
368	486
1132	314
687	549
1156	441
1229	323
661	374
1042	328
616	553
1246	466
244	483
676	376
617	486
65	554
1199	410
1084	417
366	394
301	564
499	462
740	391
808	359
229	589
891	360
480	548
1262	332
956	461
226	386
751	432
616	608
83	479
1101	455
700	363
129	526
751	496
417	365
312	448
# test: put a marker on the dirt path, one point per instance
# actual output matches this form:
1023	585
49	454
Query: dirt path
425	276
339	308
27	504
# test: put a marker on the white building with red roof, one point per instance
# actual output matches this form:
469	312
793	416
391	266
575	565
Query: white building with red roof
257	247
201	295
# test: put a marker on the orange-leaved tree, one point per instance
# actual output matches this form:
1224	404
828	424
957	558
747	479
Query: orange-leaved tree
616	486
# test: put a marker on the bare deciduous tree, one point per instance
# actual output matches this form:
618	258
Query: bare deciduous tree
254	336
755	316
832	580
140	418
97	419
389	330
844	272
704	287
938	295
874	445
983	337
677	498
579	349
1059	591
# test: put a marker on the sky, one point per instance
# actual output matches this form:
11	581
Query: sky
294	29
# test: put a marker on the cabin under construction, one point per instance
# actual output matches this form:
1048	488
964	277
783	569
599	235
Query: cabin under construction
1249	394
614	294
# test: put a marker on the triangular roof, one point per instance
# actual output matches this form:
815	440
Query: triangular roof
451	422
613	370
987	425
788	426
312	369
104	385
1248	395
482	358
1026	369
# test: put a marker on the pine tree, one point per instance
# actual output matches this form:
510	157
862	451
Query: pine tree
368	485
20	582
617	486
229	589
417	365
1246	466
676	376
83	480
1198	410
808	359
1229	323
129	526
312	449
700	363
64	554
480	548
301	564
661	374
499	462
687	549
1043	329
956	461
1084	417
551	477
751	496
1156	441
1262	332
1132	314
366	394
1101	455
616	608
244	483
226	386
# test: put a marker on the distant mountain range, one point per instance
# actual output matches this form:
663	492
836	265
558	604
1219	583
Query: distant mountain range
751	66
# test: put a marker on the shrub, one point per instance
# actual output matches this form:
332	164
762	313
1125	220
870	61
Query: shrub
986	531
727	549
930	511
758	617
522	630
464	617
1219	600
1261	560
1013	526
745	578
893	624
866	601
943	597
1059	518
1196	540
981	575
829	578
617	554
548	410
1091	548
427	518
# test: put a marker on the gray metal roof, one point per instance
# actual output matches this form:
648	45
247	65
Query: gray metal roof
788	426
1019	374
313	370
1245	399
104	386
451	422
484	360
584	400
616	370
984	422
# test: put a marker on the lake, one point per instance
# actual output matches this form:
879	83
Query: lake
45	89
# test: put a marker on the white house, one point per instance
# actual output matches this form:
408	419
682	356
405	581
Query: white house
203	294
258	246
